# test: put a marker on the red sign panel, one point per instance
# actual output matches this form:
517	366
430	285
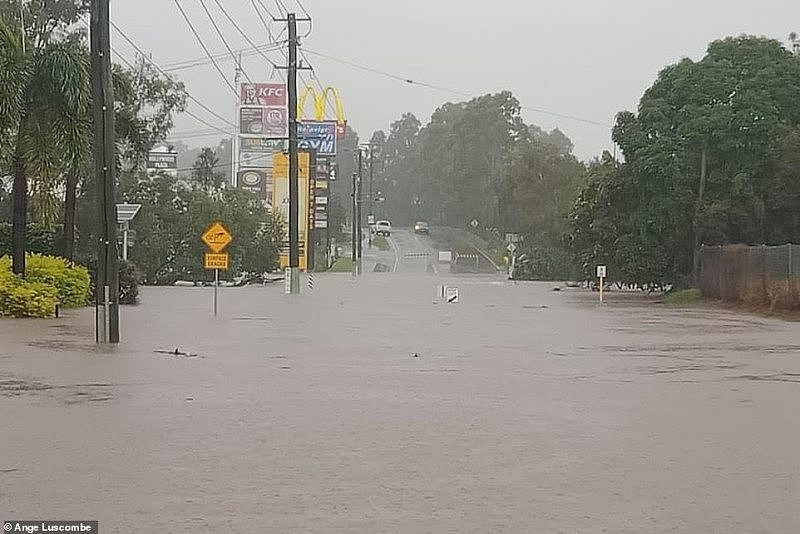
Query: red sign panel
264	94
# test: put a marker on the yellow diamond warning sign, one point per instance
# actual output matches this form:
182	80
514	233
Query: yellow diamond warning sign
217	237
216	261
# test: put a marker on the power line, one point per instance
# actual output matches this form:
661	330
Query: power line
243	34
280	4
269	30
260	16
224	41
159	69
410	81
189	113
205	49
198	62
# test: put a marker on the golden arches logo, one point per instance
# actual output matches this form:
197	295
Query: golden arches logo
321	103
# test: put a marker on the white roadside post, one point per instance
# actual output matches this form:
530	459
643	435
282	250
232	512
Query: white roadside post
512	249
125	214
601	274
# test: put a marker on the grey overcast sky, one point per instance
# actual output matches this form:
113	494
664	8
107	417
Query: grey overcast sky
586	58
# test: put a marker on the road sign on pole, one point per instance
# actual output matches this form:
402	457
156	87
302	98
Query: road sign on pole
601	274
451	295
217	261
217	237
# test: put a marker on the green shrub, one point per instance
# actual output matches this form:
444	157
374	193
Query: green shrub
23	298
70	280
38	238
129	276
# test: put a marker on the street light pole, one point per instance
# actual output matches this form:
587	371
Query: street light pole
371	198
353	230
358	210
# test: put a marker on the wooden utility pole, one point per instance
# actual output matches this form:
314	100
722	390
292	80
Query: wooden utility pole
107	275
294	223
359	265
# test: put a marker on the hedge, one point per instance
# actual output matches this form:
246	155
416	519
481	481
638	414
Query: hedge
23	298
30	297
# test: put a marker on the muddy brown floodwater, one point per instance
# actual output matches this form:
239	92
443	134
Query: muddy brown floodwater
368	407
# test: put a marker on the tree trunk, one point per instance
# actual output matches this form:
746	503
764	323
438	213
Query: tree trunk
19	217
68	235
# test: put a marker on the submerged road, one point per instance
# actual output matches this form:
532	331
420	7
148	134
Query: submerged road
368	406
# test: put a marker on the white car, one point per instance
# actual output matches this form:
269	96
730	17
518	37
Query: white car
383	228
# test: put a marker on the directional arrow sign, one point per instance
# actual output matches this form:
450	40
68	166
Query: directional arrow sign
217	237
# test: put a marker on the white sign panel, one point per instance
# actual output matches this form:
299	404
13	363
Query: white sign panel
451	295
601	271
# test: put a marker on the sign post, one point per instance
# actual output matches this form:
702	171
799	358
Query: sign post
512	249
601	274
216	237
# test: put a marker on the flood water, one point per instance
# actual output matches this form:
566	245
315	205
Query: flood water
370	406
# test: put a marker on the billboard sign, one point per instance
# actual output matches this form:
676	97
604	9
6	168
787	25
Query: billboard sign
280	165
255	160
276	123
255	181
166	162
263	145
280	203
264	94
251	121
319	136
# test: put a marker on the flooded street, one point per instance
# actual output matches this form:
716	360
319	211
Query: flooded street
368	406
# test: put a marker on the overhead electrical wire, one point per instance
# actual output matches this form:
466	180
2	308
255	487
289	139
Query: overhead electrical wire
308	16
263	21
448	90
186	111
243	34
225	42
223	57
159	69
205	49
276	69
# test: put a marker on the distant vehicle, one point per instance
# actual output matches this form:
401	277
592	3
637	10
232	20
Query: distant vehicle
421	227
383	228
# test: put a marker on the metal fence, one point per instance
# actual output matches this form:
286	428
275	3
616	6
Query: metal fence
759	276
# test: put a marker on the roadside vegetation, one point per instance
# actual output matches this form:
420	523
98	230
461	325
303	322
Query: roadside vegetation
684	297
342	265
49	281
709	157
381	243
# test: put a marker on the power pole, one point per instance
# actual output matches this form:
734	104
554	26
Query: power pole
354	236
371	199
235	138
358	209
107	279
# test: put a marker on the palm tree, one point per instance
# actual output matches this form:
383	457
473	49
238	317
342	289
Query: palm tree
44	123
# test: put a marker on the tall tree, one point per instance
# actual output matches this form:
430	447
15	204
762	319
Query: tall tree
43	102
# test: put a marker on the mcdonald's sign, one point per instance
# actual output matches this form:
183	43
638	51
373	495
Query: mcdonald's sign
321	101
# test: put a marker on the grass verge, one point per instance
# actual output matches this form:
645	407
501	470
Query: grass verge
684	297
342	265
381	243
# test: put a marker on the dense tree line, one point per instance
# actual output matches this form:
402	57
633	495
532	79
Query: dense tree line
710	157
478	160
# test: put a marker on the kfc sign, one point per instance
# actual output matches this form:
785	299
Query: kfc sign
263	94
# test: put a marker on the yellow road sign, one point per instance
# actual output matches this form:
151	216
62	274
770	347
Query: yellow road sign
217	237
217	261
